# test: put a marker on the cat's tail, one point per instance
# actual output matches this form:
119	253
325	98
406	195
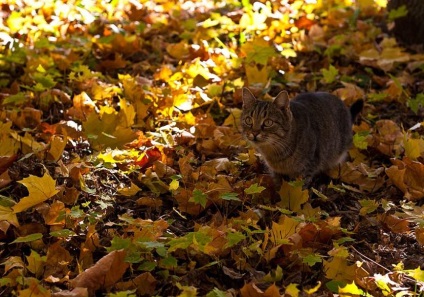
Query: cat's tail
356	108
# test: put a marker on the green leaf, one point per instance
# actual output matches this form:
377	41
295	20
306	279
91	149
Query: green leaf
28	238
254	189
230	197
368	206
199	197
147	266
234	238
334	285
63	233
399	12
119	243
16	99
169	262
416	103
360	140
216	293
312	259
330	74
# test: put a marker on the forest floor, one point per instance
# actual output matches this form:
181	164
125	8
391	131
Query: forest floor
123	171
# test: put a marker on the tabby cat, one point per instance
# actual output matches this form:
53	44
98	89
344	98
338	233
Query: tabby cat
301	137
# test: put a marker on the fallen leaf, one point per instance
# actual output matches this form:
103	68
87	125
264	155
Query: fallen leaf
393	223
40	189
104	274
408	176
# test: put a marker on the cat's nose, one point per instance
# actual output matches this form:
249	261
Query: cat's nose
255	135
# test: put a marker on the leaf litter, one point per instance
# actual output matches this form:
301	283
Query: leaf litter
123	171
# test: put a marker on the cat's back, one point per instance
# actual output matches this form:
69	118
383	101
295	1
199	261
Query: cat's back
318	102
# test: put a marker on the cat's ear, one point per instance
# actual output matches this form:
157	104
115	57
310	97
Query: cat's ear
248	98
282	100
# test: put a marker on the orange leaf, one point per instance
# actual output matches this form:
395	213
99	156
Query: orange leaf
408	176
393	223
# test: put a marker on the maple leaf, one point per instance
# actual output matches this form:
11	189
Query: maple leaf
258	50
293	196
40	189
330	74
7	214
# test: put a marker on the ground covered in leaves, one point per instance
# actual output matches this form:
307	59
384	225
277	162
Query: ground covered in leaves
123	171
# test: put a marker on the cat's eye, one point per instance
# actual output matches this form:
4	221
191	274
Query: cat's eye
248	121
268	123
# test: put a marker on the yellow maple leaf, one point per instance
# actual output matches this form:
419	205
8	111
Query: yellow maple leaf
256	75
7	214
282	230
40	189
292	290
338	269
57	145
292	196
131	191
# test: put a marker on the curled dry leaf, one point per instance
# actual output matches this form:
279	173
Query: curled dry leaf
408	176
387	138
251	290
393	223
104	274
366	178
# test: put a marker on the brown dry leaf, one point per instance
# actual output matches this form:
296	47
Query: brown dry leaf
387	137
145	284
58	259
350	93
5	179
408	176
55	211
393	223
104	274
35	289
76	292
251	290
321	232
419	235
26	118
368	179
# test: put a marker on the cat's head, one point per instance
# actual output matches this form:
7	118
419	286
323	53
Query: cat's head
265	122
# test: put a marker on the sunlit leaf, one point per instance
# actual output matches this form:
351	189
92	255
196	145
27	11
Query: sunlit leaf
40	189
368	206
28	238
330	74
254	189
258	51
